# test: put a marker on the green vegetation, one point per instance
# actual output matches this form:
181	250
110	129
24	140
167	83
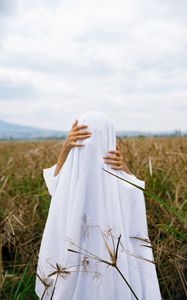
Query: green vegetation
24	203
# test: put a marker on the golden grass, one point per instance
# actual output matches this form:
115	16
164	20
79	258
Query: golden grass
24	203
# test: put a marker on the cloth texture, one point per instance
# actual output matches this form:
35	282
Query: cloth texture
89	210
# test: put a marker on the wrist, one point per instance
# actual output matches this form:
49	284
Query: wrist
63	155
65	148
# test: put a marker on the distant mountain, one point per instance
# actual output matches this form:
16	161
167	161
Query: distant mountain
16	131
150	133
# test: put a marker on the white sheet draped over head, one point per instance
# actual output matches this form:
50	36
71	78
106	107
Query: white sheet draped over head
87	202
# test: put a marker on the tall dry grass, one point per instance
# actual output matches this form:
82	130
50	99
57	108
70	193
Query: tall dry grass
24	203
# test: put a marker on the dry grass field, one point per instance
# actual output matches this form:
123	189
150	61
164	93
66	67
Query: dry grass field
24	203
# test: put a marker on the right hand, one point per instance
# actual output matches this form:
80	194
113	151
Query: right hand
74	134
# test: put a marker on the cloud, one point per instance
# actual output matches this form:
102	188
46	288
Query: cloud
124	58
15	91
8	7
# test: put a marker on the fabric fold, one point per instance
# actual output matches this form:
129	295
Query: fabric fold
90	209
51	180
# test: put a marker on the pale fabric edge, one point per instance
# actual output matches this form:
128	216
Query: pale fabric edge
50	179
135	180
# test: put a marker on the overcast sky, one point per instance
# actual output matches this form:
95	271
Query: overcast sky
125	58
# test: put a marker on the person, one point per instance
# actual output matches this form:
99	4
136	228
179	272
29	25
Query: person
95	244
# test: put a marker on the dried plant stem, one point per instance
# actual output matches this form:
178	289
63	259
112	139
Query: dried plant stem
43	294
113	255
116	267
53	291
170	208
24	200
1	260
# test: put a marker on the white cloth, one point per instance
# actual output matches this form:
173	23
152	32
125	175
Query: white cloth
85	202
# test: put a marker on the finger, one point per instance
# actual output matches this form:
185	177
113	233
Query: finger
77	145
112	162
83	137
74	123
117	152
81	133
76	128
112	157
117	168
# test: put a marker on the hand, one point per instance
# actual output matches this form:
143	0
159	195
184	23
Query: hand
116	160
74	135
69	142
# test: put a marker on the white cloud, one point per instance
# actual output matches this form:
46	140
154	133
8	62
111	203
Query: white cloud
125	58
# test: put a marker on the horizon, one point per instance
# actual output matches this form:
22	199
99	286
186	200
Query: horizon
176	130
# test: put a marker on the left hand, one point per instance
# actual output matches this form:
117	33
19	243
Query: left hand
116	160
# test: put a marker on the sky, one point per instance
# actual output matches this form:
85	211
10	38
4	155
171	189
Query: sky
125	58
